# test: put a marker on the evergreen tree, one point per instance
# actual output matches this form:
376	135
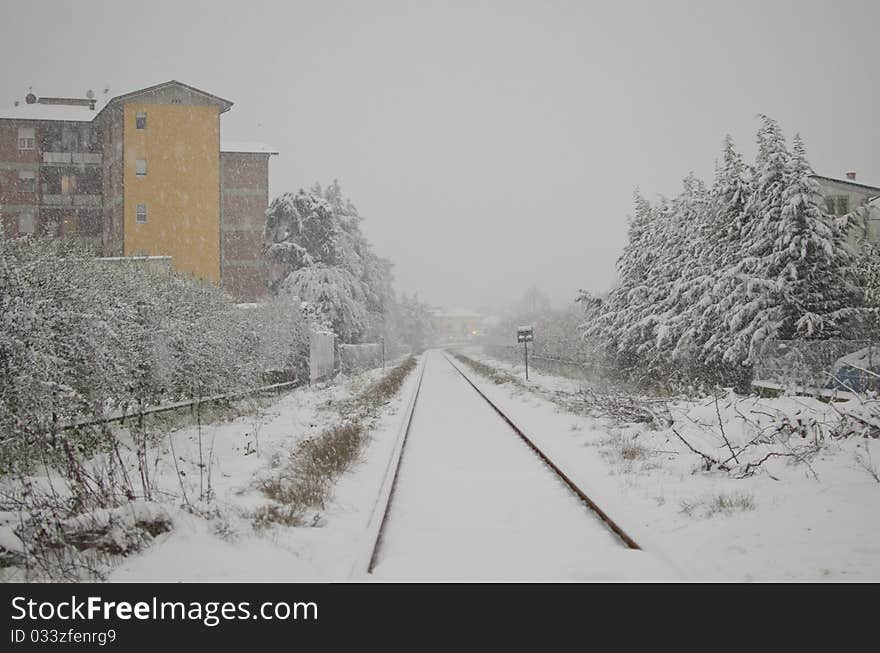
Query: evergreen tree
720	253
812	262
710	275
752	306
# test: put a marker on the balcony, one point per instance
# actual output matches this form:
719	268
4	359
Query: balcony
90	201
57	200
94	201
66	158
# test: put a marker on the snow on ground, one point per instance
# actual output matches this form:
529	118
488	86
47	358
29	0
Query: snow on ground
224	547
787	522
474	503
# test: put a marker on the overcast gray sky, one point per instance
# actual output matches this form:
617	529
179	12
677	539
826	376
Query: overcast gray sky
489	145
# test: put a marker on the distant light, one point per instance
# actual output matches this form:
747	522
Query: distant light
473	333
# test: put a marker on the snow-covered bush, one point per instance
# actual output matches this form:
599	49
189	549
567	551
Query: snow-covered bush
81	338
282	334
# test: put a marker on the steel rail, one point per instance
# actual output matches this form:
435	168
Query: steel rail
592	505
386	496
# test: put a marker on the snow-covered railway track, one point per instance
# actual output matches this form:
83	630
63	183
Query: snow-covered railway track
466	501
577	491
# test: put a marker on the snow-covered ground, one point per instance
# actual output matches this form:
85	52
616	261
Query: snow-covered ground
224	546
473	502
788	521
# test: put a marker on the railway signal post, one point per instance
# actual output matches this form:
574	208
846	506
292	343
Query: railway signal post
525	335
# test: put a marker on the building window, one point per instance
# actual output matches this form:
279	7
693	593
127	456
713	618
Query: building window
140	167
26	138
141	216
27	182
140	120
838	204
25	223
68	184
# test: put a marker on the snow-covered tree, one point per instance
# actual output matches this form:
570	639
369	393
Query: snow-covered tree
711	274
416	323
794	277
320	256
719	253
533	303
337	296
866	269
752	307
619	326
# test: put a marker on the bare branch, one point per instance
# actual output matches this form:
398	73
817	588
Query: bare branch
708	460
721	425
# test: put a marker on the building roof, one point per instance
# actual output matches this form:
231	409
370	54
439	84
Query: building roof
247	148
225	105
71	113
55	112
849	182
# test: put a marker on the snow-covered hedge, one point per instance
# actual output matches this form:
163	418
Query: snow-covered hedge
79	337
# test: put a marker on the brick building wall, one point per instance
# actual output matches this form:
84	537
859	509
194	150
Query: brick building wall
112	231
244	184
13	161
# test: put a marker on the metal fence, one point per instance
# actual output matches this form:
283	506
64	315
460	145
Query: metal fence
573	369
124	414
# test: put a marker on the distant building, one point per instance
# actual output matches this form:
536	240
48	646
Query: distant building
844	196
143	175
458	324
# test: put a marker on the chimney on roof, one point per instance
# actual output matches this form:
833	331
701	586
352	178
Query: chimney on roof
851	175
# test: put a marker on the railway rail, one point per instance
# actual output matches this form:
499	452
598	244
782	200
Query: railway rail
384	504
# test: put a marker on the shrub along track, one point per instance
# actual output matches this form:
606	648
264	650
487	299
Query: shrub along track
387	498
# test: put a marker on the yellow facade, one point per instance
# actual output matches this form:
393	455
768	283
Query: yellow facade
181	147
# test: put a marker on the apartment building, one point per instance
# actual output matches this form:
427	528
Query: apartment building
847	195
244	184
143	174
